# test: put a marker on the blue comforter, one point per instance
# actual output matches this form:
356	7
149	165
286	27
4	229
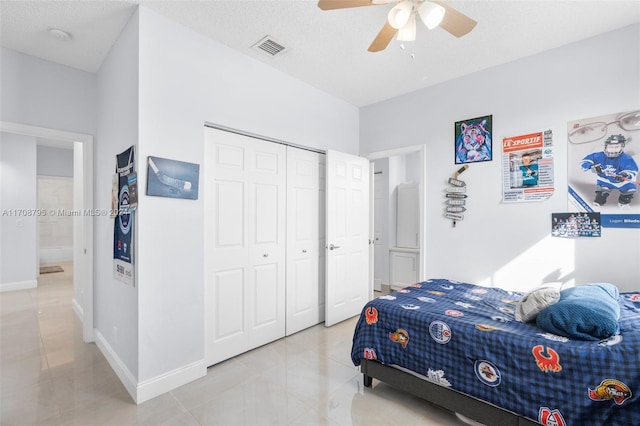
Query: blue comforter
586	312
466	338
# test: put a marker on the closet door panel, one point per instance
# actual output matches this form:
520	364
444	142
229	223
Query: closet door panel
229	208
245	181
305	214
266	291
266	214
303	290
229	312
267	209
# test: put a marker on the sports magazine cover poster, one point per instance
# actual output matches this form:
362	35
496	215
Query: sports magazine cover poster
603	154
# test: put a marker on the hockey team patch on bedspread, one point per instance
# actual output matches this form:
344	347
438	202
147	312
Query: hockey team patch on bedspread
466	337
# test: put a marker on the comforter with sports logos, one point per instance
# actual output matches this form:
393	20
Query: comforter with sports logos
465	337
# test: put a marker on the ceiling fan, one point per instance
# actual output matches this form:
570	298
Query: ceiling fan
402	18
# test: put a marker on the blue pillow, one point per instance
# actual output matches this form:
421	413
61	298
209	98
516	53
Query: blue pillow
586	312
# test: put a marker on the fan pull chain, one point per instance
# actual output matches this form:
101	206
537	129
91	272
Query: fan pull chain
412	55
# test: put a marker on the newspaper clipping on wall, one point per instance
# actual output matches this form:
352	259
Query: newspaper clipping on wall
527	167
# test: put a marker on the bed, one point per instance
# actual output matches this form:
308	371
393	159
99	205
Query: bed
459	346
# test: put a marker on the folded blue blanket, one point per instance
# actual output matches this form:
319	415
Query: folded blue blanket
586	312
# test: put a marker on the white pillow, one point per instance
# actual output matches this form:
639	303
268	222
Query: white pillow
536	300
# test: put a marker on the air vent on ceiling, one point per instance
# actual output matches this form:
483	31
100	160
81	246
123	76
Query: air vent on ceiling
269	46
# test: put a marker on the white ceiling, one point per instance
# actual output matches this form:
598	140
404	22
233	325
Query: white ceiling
326	49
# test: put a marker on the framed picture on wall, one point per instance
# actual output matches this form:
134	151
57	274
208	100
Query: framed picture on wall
172	179
473	140
578	224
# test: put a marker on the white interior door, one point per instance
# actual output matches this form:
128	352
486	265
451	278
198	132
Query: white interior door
305	239
245	202
347	261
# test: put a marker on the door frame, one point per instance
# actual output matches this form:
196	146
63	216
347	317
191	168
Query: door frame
82	244
421	149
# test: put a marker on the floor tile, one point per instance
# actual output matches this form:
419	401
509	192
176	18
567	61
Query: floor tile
51	377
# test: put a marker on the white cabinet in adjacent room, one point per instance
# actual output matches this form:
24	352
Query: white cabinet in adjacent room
404	267
404	256
408	216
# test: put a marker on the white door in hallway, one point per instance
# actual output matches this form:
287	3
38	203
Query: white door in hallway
347	277
305	239
245	203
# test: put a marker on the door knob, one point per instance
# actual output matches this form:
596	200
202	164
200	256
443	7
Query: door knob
331	247
265	255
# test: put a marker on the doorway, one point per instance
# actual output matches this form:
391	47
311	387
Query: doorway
82	146
396	173
54	194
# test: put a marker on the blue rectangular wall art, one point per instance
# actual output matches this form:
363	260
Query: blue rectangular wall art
173	179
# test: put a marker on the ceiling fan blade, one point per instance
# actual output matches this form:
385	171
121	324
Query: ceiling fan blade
455	22
342	4
383	38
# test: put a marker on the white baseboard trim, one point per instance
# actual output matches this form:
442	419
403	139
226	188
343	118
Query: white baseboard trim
171	380
149	389
77	309
116	363
19	285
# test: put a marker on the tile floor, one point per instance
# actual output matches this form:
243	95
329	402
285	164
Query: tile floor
50	377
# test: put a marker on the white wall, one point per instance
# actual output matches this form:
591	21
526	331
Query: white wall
509	245
55	161
183	81
40	93
116	303
153	333
18	203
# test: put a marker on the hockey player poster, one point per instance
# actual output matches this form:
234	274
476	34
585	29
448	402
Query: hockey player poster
604	153
527	167
123	227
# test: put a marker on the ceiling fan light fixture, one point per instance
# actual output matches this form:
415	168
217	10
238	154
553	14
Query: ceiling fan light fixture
431	14
408	32
399	15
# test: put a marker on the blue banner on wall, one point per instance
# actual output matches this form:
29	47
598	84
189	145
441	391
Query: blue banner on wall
123	228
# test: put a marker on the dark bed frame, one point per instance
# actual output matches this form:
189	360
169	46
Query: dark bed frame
449	399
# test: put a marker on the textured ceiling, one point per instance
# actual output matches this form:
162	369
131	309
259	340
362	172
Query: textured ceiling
327	49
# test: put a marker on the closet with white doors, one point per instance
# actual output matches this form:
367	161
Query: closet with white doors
264	242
